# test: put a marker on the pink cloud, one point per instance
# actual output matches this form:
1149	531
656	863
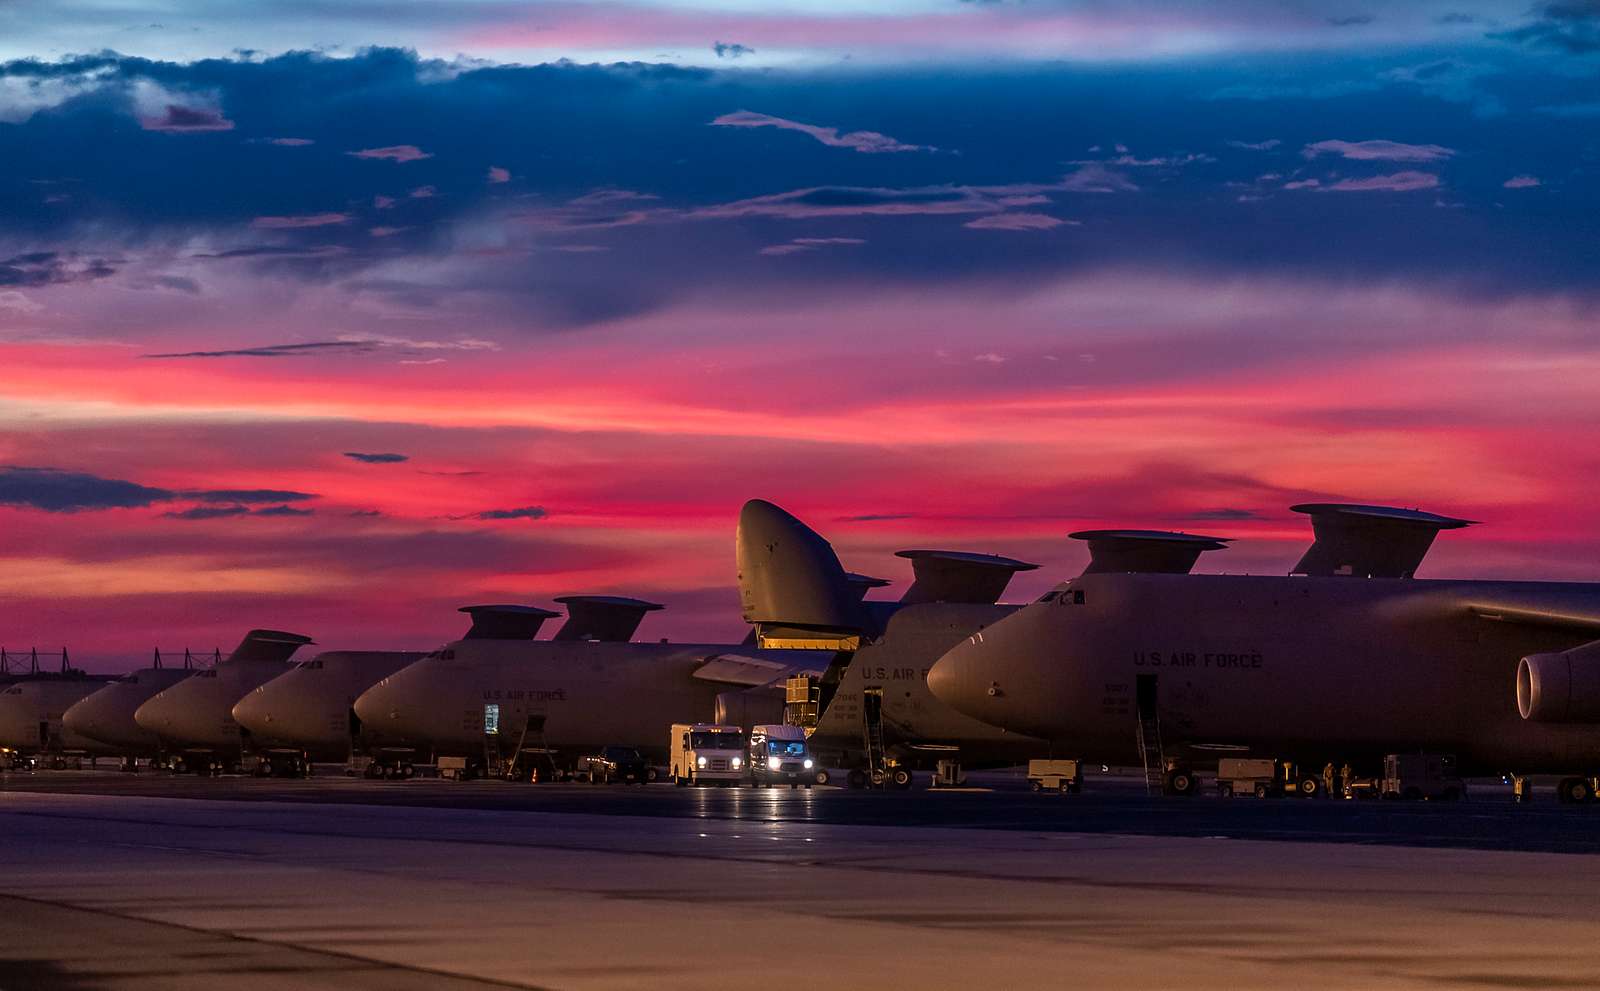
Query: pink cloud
869	142
1017	222
1399	182
290	142
382	202
1522	182
179	119
392	153
386	231
498	175
424	193
300	221
1378	151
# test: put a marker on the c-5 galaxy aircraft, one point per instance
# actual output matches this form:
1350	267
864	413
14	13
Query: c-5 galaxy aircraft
307	714
1347	658
497	697
106	715
871	710
32	704
194	718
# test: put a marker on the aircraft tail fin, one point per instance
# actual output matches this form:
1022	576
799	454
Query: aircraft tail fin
1369	541
791	584
268	645
608	618
505	622
959	576
1145	551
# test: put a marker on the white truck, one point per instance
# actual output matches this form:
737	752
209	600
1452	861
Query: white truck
778	755
703	752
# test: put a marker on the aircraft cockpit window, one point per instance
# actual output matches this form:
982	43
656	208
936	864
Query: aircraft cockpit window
441	655
706	740
207	673
130	679
310	665
1050	596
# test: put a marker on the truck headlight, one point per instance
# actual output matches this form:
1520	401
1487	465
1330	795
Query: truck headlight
773	763
808	763
699	762
736	762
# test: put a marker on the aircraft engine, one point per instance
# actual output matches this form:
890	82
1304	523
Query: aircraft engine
751	707
1560	688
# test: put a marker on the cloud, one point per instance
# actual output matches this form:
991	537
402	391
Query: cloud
290	142
731	50
244	495
1570	26
1399	182
55	490
51	268
424	192
1350	21
498	175
1224	514
273	350
386	231
16	302
874	517
524	513
392	153
377	459
282	511
1303	184
803	244
1266	145
1017	222
1096	178
1522	182
869	142
207	513
1378	151
847	201
300	221
187	120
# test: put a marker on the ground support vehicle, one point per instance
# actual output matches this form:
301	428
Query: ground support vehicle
706	752
1422	776
1262	777
614	763
1064	776
778	755
278	763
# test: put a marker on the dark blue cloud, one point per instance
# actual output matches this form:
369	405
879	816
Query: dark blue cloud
524	513
58	491
377	459
1193	201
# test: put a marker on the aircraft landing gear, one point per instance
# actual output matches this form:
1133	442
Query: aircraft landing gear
1181	781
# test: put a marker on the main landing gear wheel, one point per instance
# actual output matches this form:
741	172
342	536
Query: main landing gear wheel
1181	781
1574	791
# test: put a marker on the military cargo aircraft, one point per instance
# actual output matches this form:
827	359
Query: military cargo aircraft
106	715
194	718
871	710
307	715
32	704
1346	658
497	697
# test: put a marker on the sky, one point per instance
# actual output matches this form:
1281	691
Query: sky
335	315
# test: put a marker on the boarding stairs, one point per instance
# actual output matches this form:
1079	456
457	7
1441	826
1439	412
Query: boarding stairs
1155	764
872	734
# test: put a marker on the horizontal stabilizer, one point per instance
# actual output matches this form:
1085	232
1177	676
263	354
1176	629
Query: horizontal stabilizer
862	584
506	622
268	645
959	576
1157	552
789	574
608	618
1369	541
741	669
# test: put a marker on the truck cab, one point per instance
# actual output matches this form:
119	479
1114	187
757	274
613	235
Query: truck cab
779	755
707	752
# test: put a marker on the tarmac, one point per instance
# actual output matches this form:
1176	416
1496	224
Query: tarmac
145	881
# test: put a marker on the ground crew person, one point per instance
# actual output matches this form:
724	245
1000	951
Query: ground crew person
1347	774
1327	778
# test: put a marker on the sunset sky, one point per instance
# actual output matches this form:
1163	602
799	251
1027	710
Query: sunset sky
334	315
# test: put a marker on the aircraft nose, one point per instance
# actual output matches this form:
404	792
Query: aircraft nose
155	716
955	678
254	712
378	707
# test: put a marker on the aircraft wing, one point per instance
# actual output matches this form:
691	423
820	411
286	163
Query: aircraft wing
1565	616
750	670
1570	607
